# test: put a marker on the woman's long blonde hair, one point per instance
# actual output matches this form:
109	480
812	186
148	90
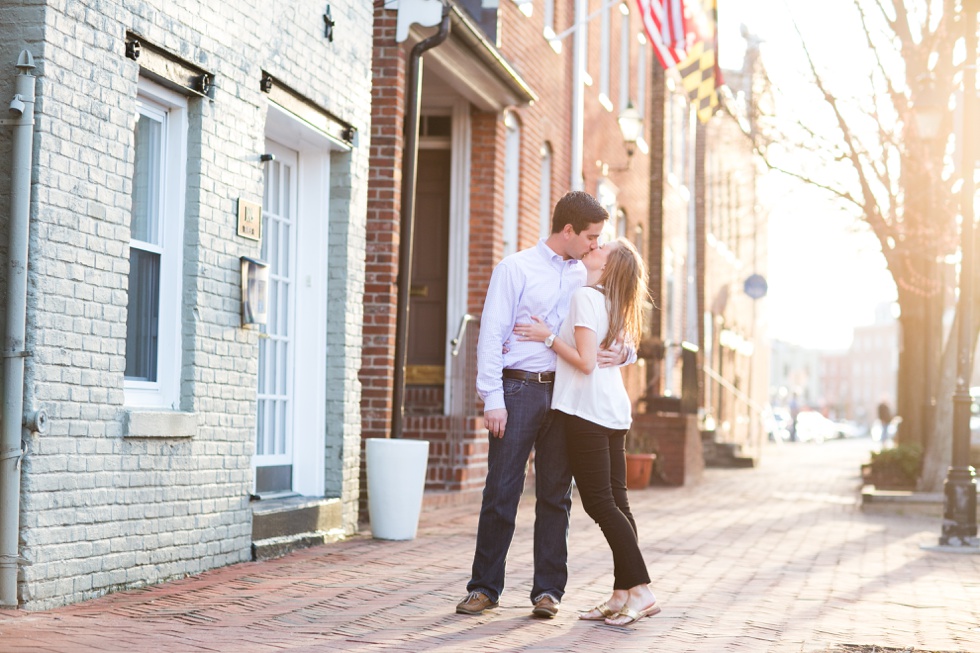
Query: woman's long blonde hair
624	282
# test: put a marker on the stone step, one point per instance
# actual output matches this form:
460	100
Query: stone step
723	454
283	525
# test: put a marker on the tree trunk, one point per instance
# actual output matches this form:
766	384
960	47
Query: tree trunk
912	381
937	456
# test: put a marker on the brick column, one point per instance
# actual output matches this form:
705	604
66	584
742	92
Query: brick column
383	225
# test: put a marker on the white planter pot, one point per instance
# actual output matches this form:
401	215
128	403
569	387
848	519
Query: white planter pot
396	480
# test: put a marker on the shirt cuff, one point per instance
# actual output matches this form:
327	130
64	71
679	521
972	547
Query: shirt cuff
494	401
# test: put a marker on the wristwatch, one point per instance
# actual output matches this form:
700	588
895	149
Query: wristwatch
550	340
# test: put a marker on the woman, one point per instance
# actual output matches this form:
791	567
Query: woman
597	414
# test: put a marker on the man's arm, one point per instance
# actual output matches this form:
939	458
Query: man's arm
616	355
496	324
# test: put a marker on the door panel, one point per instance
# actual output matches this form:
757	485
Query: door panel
273	443
430	270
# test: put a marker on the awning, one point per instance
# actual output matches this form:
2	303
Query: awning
473	66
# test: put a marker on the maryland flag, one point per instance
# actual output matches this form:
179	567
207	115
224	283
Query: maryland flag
699	71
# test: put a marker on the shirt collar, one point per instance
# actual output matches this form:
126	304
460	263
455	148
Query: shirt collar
551	256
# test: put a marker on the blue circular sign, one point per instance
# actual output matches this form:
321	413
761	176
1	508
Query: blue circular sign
756	286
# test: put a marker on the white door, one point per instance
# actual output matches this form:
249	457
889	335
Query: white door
277	347
290	436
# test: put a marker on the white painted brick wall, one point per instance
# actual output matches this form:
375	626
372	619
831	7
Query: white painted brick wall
101	511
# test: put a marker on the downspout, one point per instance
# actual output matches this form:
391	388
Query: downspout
409	175
13	352
577	180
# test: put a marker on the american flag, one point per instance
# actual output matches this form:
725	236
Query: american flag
663	21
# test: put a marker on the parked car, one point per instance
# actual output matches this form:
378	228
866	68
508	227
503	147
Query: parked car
851	429
811	426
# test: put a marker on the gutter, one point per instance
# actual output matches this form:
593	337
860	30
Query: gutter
413	99
13	352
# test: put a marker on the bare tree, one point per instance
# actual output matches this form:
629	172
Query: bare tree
865	149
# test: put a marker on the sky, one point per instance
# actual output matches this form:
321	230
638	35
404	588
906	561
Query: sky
826	272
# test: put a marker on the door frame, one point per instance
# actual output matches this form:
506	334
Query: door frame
314	148
457	290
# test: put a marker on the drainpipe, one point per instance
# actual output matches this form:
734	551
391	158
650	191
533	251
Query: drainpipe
13	352
409	175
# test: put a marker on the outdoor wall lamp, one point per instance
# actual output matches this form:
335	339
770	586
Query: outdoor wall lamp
631	127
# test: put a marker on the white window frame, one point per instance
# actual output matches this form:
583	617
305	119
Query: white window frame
605	36
624	57
171	109
549	25
544	207
512	177
641	76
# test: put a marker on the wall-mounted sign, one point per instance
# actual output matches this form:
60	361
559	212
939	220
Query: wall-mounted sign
249	220
255	292
756	286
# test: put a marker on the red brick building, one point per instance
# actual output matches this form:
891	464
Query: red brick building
519	105
517	108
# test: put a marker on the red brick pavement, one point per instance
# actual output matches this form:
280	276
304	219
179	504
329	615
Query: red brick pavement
777	558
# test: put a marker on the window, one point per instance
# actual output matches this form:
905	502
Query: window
604	52
624	57
641	75
512	176
545	205
549	19
152	372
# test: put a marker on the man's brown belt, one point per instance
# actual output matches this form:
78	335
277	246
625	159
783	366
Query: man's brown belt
532	377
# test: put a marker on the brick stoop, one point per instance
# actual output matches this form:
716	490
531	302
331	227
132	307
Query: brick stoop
723	454
283	525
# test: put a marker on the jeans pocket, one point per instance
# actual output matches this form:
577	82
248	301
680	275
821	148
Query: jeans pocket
513	387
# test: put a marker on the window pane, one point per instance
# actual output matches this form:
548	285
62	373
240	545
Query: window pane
147	181
143	319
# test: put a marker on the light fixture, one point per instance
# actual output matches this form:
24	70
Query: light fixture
631	127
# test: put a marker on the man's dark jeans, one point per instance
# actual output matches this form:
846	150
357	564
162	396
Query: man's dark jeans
529	425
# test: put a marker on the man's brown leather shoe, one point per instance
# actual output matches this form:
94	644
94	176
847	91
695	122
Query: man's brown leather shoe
545	607
475	603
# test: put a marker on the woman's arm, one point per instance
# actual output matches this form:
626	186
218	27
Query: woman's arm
581	355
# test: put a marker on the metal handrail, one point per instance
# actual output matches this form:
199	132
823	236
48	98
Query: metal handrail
725	383
460	332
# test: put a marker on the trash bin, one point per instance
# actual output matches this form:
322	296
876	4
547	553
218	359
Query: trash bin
396	480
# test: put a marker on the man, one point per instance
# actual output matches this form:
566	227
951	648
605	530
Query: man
515	379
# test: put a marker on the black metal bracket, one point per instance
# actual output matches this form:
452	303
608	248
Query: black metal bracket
328	24
133	49
204	84
266	83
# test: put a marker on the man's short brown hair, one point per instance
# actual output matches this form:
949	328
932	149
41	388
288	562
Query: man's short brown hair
578	209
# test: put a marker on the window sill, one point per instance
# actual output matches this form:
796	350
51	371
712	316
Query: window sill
159	424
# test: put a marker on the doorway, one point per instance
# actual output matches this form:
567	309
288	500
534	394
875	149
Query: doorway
430	270
290	432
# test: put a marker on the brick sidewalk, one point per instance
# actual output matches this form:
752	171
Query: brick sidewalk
778	558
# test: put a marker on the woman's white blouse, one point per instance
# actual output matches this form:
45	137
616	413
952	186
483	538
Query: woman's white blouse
601	396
